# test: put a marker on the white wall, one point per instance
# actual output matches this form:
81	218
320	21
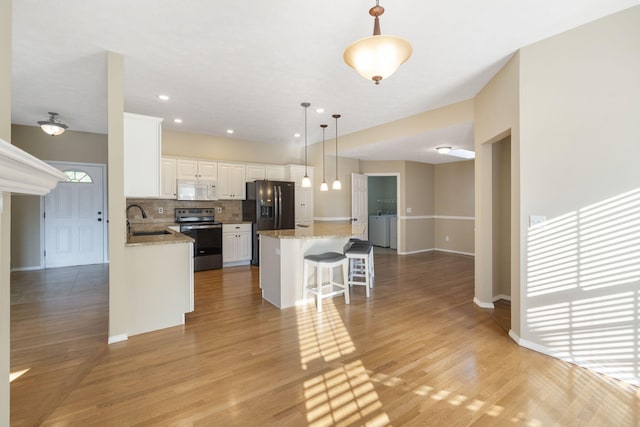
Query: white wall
5	210
580	145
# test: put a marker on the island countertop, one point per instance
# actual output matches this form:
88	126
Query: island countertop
317	230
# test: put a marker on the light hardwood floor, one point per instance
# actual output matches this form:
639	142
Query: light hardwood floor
418	352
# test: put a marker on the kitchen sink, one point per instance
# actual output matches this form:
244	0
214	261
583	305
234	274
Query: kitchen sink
150	233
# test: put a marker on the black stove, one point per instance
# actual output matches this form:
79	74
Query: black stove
200	224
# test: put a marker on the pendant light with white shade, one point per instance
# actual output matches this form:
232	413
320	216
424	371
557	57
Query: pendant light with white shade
378	56
324	186
306	181
337	185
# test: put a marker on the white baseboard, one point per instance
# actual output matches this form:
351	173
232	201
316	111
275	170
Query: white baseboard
482	304
568	358
415	252
236	263
454	252
33	268
503	297
118	338
332	218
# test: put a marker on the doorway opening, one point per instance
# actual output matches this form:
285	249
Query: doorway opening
382	204
501	230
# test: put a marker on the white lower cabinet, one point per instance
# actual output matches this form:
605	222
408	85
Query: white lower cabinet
236	244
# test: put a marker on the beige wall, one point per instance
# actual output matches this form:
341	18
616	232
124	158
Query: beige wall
5	209
26	247
501	188
454	114
454	206
580	104
216	148
71	146
118	292
497	112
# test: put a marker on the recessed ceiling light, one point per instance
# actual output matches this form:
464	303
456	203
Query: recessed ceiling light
163	97
229	131
319	110
296	135
177	120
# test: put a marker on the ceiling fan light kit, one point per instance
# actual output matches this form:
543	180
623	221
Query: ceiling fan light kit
53	126
377	57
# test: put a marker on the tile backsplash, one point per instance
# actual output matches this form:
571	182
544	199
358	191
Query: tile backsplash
231	209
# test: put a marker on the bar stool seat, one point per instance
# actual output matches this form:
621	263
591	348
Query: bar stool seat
360	256
326	261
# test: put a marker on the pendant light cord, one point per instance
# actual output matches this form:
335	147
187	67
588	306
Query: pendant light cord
305	138
336	116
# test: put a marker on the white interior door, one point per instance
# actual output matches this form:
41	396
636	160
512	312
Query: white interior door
359	198
74	217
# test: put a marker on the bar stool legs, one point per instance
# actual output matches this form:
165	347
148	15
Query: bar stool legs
327	261
360	256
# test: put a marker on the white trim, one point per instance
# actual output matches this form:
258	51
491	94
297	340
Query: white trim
32	268
502	297
415	252
22	173
332	218
463	218
452	217
415	217
118	338
454	252
482	304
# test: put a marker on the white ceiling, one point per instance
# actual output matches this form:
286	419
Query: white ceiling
247	65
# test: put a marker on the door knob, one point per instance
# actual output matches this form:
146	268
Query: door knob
99	213
99	219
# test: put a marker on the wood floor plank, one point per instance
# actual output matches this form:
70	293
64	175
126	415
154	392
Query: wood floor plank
418	352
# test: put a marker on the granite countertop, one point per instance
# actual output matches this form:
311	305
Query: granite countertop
317	230
158	239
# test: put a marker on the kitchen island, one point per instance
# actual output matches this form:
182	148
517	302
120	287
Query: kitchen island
160	279
282	255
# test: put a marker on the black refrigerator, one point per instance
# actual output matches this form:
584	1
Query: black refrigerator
270	205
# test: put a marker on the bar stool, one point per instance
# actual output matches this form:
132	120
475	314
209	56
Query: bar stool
356	241
327	261
360	256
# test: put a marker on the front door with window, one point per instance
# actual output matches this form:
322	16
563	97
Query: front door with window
74	217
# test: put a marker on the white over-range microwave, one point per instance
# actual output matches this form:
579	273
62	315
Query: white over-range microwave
196	190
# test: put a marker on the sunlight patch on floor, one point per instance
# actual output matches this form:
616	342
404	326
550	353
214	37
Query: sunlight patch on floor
17	374
344	395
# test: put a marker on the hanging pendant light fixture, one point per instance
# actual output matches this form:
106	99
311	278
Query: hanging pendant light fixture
324	186
306	181
53	126
377	57
337	185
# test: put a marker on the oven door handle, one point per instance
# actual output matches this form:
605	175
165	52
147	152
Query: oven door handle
199	227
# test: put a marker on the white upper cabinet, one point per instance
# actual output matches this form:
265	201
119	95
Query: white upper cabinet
274	172
142	151
255	172
168	178
270	172
200	170
231	181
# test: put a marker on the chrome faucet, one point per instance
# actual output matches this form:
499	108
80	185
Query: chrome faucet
144	215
